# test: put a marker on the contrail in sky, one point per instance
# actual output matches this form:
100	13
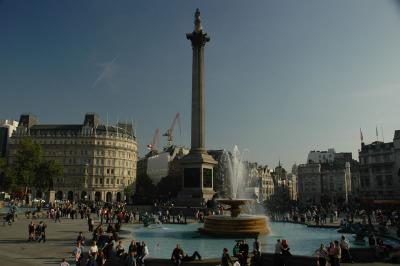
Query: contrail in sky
108	71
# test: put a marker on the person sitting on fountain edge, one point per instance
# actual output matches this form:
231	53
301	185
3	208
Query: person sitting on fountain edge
178	255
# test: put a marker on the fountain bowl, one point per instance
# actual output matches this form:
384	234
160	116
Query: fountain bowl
235	225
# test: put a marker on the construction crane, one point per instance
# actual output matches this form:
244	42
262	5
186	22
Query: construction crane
169	132
156	138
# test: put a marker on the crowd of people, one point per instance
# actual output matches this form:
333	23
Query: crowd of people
105	243
37	232
98	255
335	253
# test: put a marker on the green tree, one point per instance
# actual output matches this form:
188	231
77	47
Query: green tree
45	173
280	201
23	170
145	189
128	192
169	186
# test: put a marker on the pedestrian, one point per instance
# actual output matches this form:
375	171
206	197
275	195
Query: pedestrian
338	254
42	232
130	260
93	249
57	215
120	249
90	223
226	260
331	253
64	262
321	255
177	255
277	253
345	247
145	253
31	231
81	238
77	253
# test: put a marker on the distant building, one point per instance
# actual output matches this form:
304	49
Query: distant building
267	187
7	128
157	165
99	160
321	156
380	169
282	178
309	183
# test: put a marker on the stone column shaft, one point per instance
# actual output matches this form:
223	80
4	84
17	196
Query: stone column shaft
198	130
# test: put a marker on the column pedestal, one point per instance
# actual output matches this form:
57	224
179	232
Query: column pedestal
197	179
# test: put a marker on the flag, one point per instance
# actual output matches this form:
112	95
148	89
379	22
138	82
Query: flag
361	136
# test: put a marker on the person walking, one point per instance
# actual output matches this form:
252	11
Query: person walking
42	232
31	231
58	214
77	253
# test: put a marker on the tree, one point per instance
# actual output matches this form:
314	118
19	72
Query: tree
23	170
45	173
280	201
128	192
169	186
145	189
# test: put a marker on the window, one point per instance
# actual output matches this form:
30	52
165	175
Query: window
389	180
112	171
367	181
107	181
108	172
379	181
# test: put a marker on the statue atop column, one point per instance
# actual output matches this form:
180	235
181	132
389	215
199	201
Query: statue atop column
198	37
197	21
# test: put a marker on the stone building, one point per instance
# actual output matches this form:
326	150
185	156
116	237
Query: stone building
98	160
7	128
309	183
287	180
321	156
266	186
380	169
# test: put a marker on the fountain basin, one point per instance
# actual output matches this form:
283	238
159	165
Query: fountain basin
245	226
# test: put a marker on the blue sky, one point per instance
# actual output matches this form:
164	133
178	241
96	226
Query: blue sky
282	77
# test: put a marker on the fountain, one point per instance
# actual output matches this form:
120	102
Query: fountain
237	224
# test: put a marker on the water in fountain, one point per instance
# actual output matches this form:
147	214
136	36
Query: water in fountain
235	172
236	225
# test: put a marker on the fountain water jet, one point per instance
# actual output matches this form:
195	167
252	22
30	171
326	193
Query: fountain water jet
235	225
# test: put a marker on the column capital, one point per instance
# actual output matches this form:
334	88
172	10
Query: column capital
198	39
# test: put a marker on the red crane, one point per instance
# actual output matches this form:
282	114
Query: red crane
169	132
156	138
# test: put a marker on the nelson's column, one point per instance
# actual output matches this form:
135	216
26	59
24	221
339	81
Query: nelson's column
198	164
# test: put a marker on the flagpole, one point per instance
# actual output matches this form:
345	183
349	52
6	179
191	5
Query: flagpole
383	137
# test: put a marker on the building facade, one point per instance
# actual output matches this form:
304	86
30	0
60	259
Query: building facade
7	128
321	156
309	183
267	187
98	160
379	169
